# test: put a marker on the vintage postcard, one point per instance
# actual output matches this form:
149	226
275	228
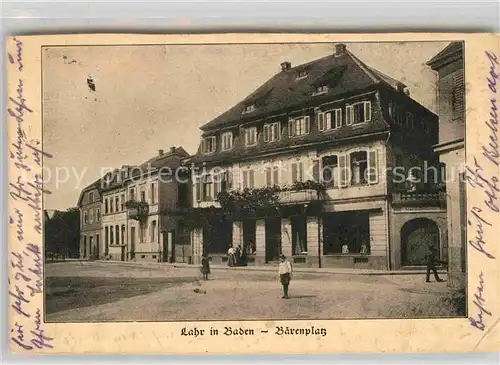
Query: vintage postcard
253	193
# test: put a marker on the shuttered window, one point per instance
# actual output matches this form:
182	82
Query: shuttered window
372	167
359	113
272	176
197	191
251	180
458	95
248	179
321	121
297	171
271	132
344	170
299	127
315	171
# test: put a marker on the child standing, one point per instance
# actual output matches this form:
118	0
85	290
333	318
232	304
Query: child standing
205	267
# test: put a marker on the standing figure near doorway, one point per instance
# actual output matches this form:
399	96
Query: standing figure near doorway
231	257
205	266
430	261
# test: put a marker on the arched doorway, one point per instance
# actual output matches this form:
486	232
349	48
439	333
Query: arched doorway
416	237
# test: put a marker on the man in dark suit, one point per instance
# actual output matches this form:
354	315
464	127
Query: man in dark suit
430	261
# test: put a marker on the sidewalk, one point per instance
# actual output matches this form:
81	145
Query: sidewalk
343	271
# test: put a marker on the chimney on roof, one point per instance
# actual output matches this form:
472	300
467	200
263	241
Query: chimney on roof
340	49
160	152
172	149
285	66
407	91
400	87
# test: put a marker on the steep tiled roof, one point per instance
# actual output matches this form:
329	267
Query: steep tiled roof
343	74
95	185
165	159
453	50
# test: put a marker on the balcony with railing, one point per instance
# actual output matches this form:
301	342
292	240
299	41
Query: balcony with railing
137	210
299	196
419	198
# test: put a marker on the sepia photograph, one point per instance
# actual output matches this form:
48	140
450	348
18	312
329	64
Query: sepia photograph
254	181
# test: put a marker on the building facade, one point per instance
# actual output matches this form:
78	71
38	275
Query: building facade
89	203
157	197
114	215
325	138
449	64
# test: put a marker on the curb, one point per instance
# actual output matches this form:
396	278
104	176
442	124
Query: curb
268	269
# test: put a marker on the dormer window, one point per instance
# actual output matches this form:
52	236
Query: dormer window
299	126
251	136
271	132
227	141
358	113
249	108
321	90
302	74
208	145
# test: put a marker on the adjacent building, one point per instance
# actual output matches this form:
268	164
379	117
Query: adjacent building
337	140
157	196
114	215
89	203
449	64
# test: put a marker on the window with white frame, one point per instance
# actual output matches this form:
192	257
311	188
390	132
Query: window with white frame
85	217
272	132
330	119
299	126
91	197
358	113
272	176
98	215
207	188
131	194
91	216
208	144
227	141
248	179
111	204
251	136
363	167
143	195
117	203
106	206
122	201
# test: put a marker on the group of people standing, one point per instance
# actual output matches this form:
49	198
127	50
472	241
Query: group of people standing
236	256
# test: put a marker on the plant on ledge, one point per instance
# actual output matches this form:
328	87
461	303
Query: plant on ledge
249	201
137	209
307	185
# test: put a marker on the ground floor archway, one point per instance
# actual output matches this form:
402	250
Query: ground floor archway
417	235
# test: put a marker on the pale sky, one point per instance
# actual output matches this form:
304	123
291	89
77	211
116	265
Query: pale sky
153	97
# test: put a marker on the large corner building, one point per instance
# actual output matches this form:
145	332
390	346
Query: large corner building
338	122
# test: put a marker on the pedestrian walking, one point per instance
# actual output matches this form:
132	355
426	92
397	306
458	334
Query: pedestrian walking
205	267
430	261
285	273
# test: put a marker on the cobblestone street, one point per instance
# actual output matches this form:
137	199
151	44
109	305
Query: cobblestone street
99	291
